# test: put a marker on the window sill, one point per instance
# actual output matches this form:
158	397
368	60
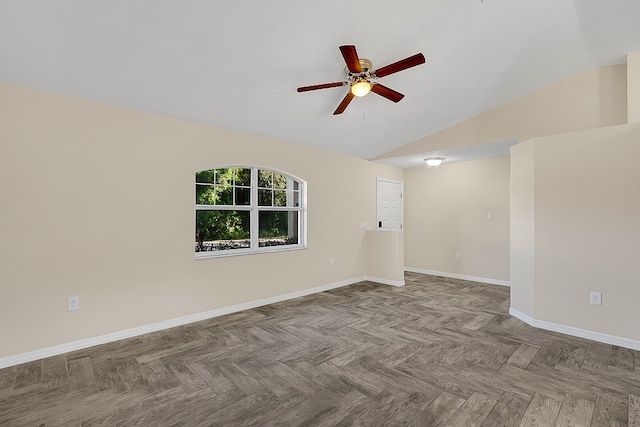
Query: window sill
240	252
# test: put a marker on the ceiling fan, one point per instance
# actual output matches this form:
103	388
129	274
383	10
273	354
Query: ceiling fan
361	77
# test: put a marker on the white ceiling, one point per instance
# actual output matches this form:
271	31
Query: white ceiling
453	155
236	64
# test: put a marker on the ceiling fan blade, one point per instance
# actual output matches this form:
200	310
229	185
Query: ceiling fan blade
351	58
322	86
409	62
345	102
390	94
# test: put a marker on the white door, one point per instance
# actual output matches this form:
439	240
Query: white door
389	204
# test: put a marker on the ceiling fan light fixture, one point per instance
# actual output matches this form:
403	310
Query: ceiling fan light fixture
362	78
434	162
360	88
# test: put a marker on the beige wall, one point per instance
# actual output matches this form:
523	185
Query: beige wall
633	87
98	202
594	98
446	213
385	256
586	225
522	228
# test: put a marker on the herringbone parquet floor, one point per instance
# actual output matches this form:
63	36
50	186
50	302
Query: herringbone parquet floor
435	352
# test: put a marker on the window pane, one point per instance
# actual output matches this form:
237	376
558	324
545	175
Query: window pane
205	176
279	198
265	179
279	181
243	177
222	230
224	195
265	198
277	228
243	196
233	201
224	176
205	194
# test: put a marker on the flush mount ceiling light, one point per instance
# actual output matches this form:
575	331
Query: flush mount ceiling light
433	162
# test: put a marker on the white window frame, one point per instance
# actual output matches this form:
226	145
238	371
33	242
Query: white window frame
254	211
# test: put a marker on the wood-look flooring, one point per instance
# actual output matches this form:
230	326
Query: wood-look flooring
435	352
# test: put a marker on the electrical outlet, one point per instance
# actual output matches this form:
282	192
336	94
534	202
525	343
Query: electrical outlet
596	298
332	261
363	225
457	257
73	303
490	215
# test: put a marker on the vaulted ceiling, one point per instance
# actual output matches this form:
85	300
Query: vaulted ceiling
236	64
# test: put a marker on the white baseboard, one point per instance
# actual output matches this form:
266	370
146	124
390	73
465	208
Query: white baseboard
459	276
524	317
576	332
166	324
385	281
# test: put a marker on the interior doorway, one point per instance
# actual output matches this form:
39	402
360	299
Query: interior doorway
389	201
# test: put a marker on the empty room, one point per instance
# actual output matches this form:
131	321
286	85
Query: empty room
279	213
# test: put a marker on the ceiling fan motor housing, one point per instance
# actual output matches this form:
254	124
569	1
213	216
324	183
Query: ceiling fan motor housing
366	74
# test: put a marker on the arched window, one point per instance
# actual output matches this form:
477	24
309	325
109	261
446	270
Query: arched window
246	210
